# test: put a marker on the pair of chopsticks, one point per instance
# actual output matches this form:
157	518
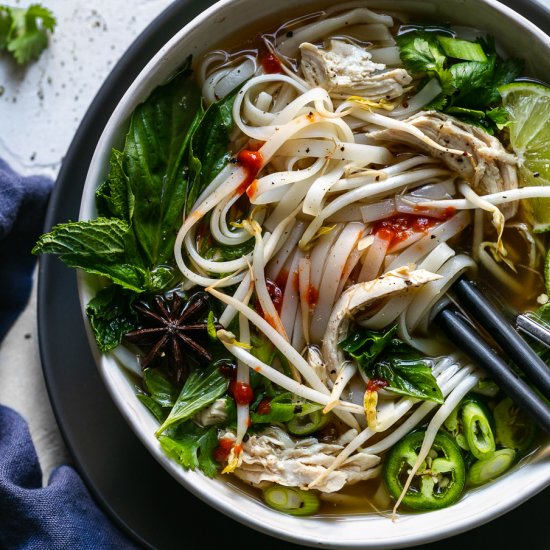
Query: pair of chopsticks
467	338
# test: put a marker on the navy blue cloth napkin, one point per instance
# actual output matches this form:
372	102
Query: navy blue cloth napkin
61	515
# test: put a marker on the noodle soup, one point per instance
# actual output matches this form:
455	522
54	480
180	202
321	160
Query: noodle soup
280	224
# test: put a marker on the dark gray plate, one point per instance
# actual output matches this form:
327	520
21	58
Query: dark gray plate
121	474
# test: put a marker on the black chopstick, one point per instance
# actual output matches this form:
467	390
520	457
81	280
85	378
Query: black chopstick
475	304
464	335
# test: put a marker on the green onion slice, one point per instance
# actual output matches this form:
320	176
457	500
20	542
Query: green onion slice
291	500
490	468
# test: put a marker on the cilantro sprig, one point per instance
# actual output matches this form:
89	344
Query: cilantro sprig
469	87
24	31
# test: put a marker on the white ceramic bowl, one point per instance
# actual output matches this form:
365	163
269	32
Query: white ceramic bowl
231	18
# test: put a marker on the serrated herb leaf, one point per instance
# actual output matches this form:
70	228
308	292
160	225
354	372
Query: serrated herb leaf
24	31
470	88
98	247
111	316
193	448
421	52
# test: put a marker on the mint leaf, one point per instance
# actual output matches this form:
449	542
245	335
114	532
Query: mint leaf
111	316
24	32
114	197
192	447
201	388
98	247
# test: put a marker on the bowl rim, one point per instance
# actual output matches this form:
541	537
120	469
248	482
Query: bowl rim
282	526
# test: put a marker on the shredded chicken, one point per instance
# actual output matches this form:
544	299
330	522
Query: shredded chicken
349	70
489	169
216	413
273	456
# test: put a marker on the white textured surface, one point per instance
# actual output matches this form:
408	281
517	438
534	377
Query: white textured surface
40	109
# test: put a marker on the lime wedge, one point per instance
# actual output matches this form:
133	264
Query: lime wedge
529	108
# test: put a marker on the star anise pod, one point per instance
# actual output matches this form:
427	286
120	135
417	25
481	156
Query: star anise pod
170	328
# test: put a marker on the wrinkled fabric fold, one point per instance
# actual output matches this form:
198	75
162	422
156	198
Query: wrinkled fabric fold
62	515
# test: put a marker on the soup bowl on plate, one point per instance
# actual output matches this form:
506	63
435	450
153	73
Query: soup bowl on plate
227	22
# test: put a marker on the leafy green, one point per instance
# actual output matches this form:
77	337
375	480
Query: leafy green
366	346
110	316
154	162
469	88
409	377
421	52
192	447
211	326
24	31
97	246
114	197
201	388
140	206
209	151
385	357
160	389
157	411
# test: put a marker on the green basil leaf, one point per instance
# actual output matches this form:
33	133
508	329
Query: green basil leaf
156	410
154	162
365	346
209	150
161	390
201	388
409	377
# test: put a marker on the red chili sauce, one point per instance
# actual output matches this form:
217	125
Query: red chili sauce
264	406
399	227
376	384
271	63
312	296
252	162
241	392
221	452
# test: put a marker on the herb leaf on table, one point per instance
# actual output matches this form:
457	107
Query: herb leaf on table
24	31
